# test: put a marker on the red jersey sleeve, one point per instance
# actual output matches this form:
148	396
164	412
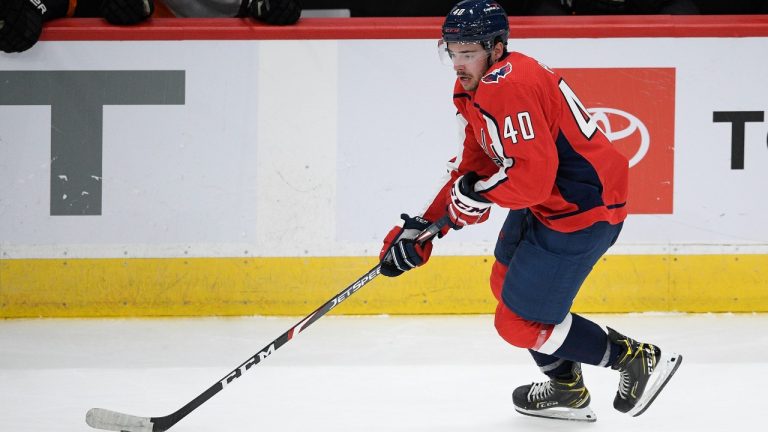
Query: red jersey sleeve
469	157
436	208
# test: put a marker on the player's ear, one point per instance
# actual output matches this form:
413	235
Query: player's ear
498	51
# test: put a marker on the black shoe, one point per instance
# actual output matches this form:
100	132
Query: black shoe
564	399
644	372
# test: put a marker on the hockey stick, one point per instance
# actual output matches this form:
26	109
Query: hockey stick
100	418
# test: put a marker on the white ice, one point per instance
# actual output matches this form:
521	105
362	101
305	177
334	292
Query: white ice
442	374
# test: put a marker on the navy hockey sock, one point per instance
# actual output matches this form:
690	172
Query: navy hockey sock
577	339
552	366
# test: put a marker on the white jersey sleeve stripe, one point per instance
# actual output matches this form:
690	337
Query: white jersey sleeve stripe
497	149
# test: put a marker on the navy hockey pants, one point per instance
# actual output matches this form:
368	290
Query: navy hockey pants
546	268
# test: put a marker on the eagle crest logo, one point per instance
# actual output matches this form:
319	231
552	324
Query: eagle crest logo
495	75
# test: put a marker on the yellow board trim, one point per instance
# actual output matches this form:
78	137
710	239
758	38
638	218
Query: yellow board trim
296	286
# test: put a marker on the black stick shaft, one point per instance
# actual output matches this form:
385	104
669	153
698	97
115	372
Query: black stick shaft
160	424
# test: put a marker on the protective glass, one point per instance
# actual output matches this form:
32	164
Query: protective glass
462	54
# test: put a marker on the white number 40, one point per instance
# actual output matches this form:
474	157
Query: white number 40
524	126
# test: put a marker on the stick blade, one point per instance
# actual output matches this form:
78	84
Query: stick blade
99	418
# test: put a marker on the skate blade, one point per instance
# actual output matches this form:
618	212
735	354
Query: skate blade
666	367
571	414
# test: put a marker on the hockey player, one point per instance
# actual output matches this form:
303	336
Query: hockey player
529	145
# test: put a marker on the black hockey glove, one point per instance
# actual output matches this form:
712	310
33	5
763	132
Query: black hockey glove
277	12
126	12
400	252
21	22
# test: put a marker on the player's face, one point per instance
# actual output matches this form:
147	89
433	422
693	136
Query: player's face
470	61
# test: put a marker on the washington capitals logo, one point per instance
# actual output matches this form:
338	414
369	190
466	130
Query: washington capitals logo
497	74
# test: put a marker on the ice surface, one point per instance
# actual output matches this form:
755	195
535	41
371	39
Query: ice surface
442	374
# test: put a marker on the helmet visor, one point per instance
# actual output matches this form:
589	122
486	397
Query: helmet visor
460	54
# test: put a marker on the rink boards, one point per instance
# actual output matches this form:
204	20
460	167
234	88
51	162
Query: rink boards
296	286
228	169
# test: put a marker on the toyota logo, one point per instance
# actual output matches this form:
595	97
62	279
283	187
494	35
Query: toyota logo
603	115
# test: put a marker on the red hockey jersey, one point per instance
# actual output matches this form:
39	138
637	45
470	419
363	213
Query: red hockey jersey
529	137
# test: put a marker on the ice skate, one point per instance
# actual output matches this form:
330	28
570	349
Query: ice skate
644	369
556	399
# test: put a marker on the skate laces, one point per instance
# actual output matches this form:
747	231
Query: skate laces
540	391
644	356
624	384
